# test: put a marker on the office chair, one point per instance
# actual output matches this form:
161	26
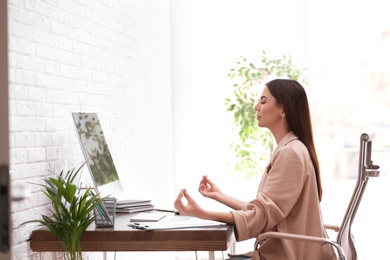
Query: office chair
344	244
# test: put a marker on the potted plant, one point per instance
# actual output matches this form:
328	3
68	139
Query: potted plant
72	211
248	77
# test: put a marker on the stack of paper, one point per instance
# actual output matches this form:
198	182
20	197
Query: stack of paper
133	206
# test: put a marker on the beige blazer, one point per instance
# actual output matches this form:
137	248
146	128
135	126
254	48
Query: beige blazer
286	201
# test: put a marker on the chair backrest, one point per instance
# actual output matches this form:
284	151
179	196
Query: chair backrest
366	169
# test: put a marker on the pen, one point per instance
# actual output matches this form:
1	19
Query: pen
168	210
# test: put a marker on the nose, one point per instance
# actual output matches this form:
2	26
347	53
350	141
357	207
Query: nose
257	106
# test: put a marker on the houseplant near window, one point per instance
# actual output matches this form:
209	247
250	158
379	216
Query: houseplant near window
248	77
72	211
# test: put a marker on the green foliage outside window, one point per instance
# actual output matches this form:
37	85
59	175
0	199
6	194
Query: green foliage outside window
253	145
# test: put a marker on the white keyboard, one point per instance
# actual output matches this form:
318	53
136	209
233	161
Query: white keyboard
151	216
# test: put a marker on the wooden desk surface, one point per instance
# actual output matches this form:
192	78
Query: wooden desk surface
124	238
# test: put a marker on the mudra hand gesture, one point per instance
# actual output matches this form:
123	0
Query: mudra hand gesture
208	189
191	208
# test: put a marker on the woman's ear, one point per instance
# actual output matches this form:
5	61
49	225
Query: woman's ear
282	114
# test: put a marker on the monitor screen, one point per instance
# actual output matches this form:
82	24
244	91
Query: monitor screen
97	154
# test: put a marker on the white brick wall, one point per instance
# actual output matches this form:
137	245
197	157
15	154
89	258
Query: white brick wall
109	57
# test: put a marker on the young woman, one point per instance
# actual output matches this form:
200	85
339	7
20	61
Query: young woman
289	194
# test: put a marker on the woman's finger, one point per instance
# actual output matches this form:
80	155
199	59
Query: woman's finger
178	202
209	181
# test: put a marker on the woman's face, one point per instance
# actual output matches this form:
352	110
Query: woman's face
268	114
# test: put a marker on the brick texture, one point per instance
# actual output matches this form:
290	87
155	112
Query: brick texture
108	57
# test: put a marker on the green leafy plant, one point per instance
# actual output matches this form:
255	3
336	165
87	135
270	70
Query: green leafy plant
248	77
72	210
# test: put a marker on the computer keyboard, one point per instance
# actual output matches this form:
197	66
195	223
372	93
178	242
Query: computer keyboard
151	216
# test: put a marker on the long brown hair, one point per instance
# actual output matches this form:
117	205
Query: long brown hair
290	95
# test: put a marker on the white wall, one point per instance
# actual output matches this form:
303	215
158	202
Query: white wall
109	57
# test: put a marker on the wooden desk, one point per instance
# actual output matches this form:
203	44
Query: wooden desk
124	238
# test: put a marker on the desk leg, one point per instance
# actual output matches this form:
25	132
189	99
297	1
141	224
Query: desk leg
211	255
233	248
109	255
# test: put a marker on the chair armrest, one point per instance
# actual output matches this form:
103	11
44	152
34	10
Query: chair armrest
332	227
281	235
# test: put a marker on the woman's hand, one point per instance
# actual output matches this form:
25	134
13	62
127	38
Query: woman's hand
191	209
194	210
208	189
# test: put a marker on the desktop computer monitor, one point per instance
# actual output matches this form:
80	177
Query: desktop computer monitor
97	154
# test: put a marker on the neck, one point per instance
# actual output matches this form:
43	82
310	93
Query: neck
279	132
